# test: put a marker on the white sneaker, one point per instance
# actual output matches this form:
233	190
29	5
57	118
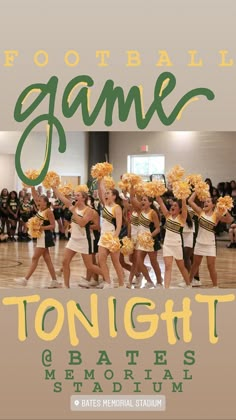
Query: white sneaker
83	282
149	285
107	285
54	284
182	284
215	287
196	283
159	286
138	281
93	283
21	281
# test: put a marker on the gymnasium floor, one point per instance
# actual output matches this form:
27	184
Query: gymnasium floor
15	260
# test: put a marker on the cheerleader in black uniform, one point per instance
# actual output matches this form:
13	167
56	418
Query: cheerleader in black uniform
44	242
3	210
13	210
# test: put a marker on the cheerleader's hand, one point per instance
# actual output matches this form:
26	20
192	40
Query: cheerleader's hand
72	208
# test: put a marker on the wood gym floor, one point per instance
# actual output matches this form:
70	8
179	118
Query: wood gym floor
15	259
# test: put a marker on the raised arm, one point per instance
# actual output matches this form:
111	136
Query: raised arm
101	191
119	217
227	218
192	204
135	203
164	210
156	222
62	198
86	218
184	211
35	196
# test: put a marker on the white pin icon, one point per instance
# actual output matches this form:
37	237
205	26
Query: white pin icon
76	403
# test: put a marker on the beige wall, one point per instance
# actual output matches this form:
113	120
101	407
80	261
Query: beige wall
213	154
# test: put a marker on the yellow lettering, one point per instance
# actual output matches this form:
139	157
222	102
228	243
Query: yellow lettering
151	319
133	58
164	59
36	58
225	63
10	57
171	319
92	327
44	307
102	54
193	63
212	301
21	301
76	58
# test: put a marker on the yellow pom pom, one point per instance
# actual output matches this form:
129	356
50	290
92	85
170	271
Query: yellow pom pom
131	179
66	189
31	174
175	174
109	183
127	246
181	190
139	189
34	224
111	242
145	240
123	186
224	204
52	179
194	179
154	189
202	190
81	188
100	170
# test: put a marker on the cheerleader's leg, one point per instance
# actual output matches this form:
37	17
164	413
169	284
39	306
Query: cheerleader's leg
102	259
48	261
68	255
168	270
183	270
197	259
211	262
37	254
115	257
155	266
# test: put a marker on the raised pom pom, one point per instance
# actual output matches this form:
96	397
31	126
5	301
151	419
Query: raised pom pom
100	170
31	174
181	190
175	174
154	189
52	179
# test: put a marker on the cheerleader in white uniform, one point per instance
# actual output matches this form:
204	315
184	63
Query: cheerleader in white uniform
111	222
173	242
205	242
148	222
44	242
133	234
81	240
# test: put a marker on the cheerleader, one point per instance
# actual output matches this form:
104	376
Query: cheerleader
81	240
148	222
111	222
3	210
133	234
92	278
13	210
45	241
205	242
173	242
188	240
